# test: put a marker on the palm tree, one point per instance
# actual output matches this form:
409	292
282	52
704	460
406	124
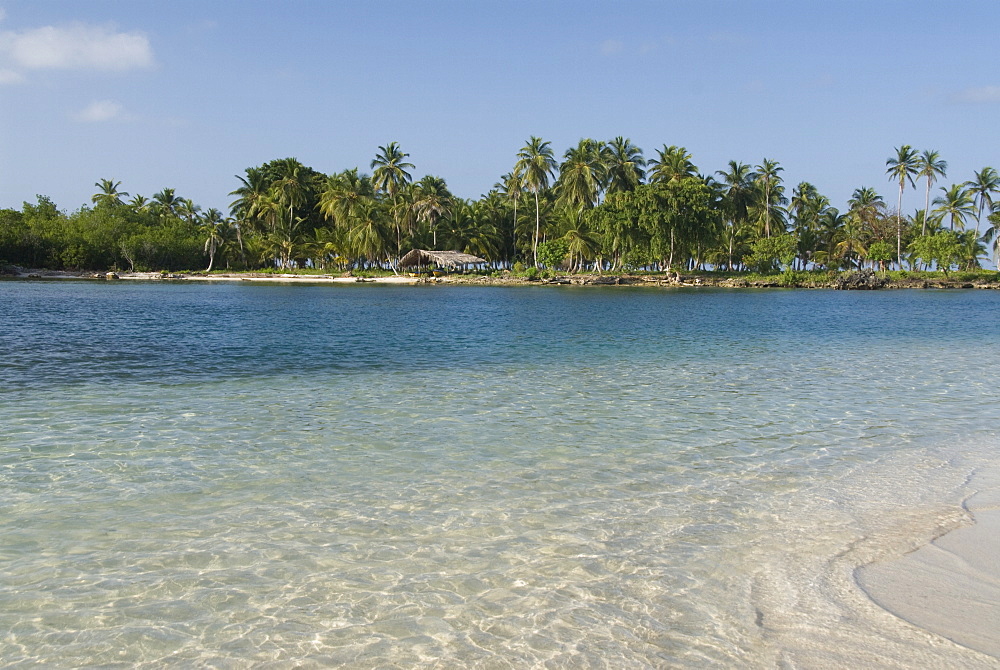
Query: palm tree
166	203
139	203
865	205
536	163
512	186
217	228
250	203
767	177
671	164
581	175
930	166
956	205
851	247
992	234
342	194
432	201
807	205
985	184
624	165
188	210
831	226
738	196
389	176
367	235
584	244
109	195
290	189
902	168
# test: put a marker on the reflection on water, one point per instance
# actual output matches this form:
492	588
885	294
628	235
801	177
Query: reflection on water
408	476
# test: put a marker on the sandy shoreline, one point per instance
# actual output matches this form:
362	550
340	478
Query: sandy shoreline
951	586
670	280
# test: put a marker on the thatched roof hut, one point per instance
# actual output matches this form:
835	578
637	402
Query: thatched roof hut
442	259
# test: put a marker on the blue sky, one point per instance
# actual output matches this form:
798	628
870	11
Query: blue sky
187	94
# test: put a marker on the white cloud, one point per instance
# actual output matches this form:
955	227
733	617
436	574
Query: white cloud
10	77
99	111
611	47
78	46
980	94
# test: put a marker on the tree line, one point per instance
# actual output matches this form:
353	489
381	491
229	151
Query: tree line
604	207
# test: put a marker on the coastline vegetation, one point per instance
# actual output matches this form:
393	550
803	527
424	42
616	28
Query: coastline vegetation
604	208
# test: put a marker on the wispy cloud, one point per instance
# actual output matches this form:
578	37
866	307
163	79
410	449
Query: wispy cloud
100	111
10	77
979	95
611	47
77	46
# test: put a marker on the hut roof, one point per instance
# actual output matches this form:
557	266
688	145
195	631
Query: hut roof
444	259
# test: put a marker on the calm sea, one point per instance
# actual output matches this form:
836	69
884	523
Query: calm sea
375	476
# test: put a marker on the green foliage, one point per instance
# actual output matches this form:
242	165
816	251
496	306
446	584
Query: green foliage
635	259
552	253
942	249
792	278
768	253
881	252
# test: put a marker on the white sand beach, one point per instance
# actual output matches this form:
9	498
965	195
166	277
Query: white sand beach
951	586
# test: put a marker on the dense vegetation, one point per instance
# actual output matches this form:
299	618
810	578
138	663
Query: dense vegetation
604	207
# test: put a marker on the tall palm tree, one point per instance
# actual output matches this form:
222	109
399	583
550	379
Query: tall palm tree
982	188
581	175
290	189
738	196
390	175
536	163
624	165
512	186
955	205
930	166
902	168
109	195
217	229
768	178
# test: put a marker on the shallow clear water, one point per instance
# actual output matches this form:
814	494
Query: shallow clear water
377	476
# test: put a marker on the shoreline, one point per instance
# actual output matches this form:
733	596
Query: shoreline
673	280
951	585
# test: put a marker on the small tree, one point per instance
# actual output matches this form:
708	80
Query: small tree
551	254
943	249
769	253
880	252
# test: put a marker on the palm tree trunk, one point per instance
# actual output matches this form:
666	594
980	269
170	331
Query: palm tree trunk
899	225
538	228
513	232
927	206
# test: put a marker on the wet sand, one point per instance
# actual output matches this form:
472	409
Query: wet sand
951	586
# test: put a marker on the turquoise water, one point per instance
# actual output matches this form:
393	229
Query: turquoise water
431	476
